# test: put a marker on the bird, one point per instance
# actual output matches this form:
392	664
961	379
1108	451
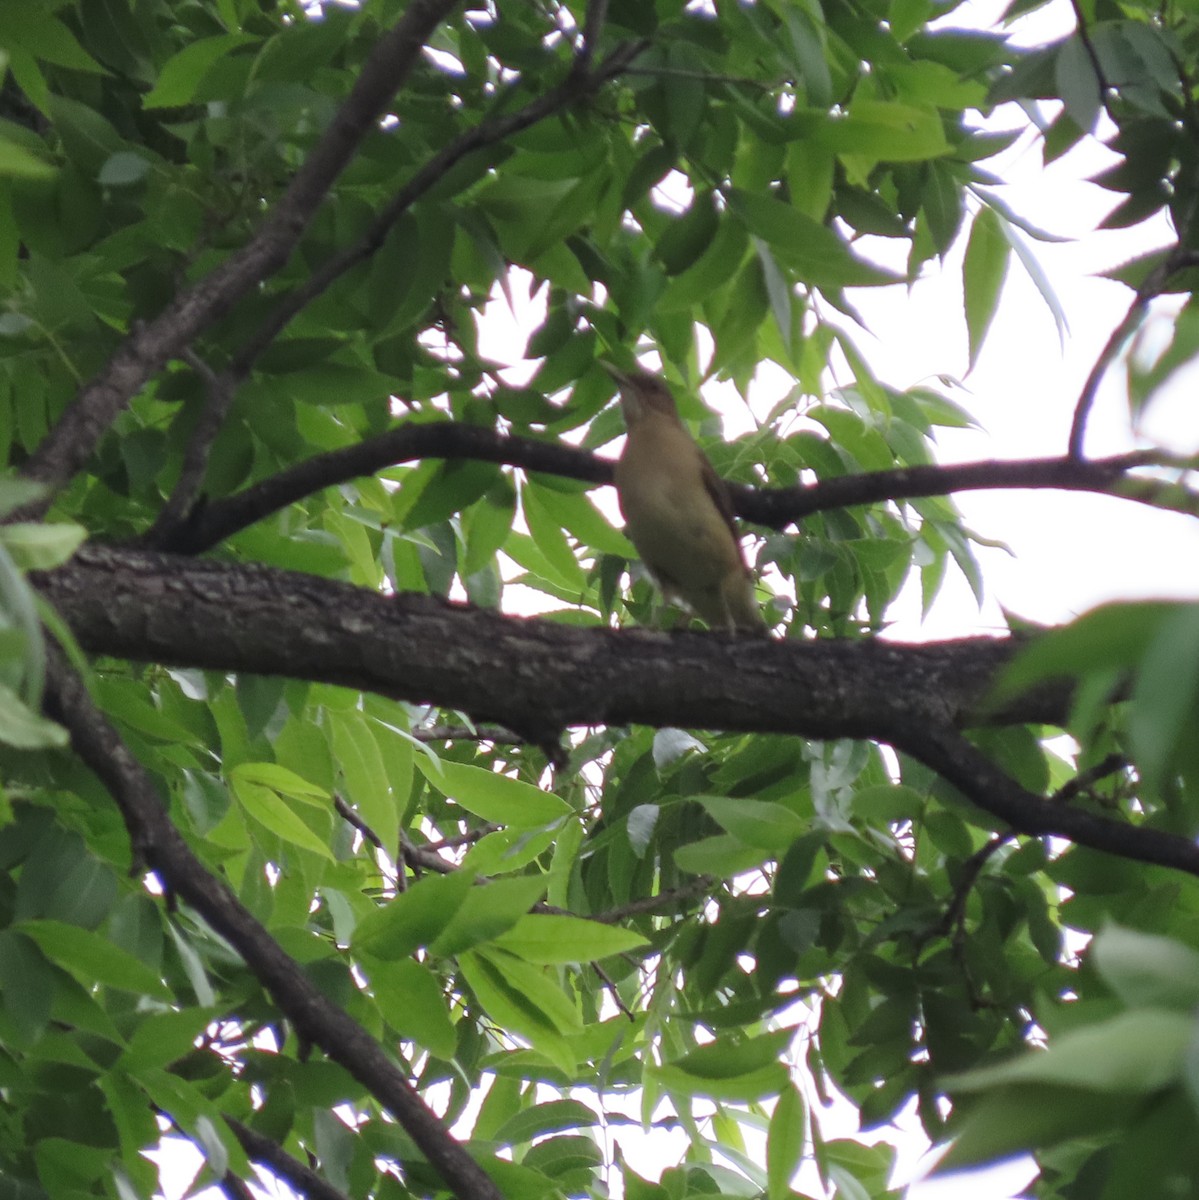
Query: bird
677	510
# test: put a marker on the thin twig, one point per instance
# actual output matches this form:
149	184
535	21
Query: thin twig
973	866
1179	259
219	391
1085	780
348	814
671	898
421	858
299	1176
608	982
955	913
953	756
593	26
463	839
1088	45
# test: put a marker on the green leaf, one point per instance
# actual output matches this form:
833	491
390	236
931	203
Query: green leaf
881	130
413	918
486	525
943	205
368	785
1019	1119
93	958
1147	971
267	803
553	1116
785	1140
815	253
1111	637
718	264
580	517
412	1002
123	169
745	1088
25	729
494	797
523	999
1165	696
488	911
547	940
1133	1053
180	76
722	856
545	526
1077	84
759	823
37	32
16	162
726	1059
983	271
164	1037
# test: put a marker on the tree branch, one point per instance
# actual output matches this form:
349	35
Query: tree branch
957	760
533	674
71	442
1179	259
442	439
576	85
953	921
297	1175
773	507
541	676
219	390
157	843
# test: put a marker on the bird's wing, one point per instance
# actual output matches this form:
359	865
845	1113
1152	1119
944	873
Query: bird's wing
716	488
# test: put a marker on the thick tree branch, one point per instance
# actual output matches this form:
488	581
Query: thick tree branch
529	674
71	442
773	507
538	676
159	845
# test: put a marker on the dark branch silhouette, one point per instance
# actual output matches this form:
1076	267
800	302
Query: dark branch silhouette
773	507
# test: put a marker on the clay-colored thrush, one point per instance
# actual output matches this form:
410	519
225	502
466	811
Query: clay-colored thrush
677	510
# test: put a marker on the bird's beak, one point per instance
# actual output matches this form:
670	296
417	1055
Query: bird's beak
621	378
630	405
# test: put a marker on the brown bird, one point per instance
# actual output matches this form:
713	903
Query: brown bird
677	510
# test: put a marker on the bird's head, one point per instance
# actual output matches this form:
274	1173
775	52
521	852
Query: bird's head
641	394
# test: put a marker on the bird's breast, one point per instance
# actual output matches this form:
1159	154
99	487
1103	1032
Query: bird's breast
669	516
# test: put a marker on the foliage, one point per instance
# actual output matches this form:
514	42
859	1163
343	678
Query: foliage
553	939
